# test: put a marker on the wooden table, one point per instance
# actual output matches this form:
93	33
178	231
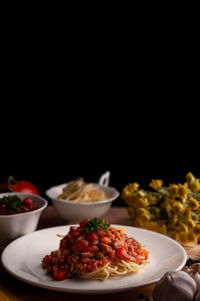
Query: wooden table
12	289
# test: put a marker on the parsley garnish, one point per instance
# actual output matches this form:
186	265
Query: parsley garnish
12	202
94	224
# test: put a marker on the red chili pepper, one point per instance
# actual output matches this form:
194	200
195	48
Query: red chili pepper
59	275
21	186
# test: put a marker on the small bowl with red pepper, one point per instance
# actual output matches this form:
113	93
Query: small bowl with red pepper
19	215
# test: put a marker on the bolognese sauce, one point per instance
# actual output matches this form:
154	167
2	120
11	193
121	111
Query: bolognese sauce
91	246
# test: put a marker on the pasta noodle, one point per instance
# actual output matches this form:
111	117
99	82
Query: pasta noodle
113	269
80	191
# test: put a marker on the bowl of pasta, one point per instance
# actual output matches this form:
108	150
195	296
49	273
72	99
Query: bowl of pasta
77	199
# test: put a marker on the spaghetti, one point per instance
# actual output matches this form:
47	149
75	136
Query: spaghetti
80	191
113	270
95	250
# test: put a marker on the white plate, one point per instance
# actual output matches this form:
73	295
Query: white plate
22	259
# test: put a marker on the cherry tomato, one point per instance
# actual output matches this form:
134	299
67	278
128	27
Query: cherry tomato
27	202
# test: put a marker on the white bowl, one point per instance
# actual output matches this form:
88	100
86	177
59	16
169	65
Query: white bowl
77	211
15	225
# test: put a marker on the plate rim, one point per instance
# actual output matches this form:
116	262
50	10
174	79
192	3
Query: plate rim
95	290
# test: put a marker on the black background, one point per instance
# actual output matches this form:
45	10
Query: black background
136	140
90	103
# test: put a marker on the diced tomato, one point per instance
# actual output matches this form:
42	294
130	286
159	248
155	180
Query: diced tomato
59	275
83	245
119	251
92	236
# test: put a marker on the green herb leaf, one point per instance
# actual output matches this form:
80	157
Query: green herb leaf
16	204
94	224
12	202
